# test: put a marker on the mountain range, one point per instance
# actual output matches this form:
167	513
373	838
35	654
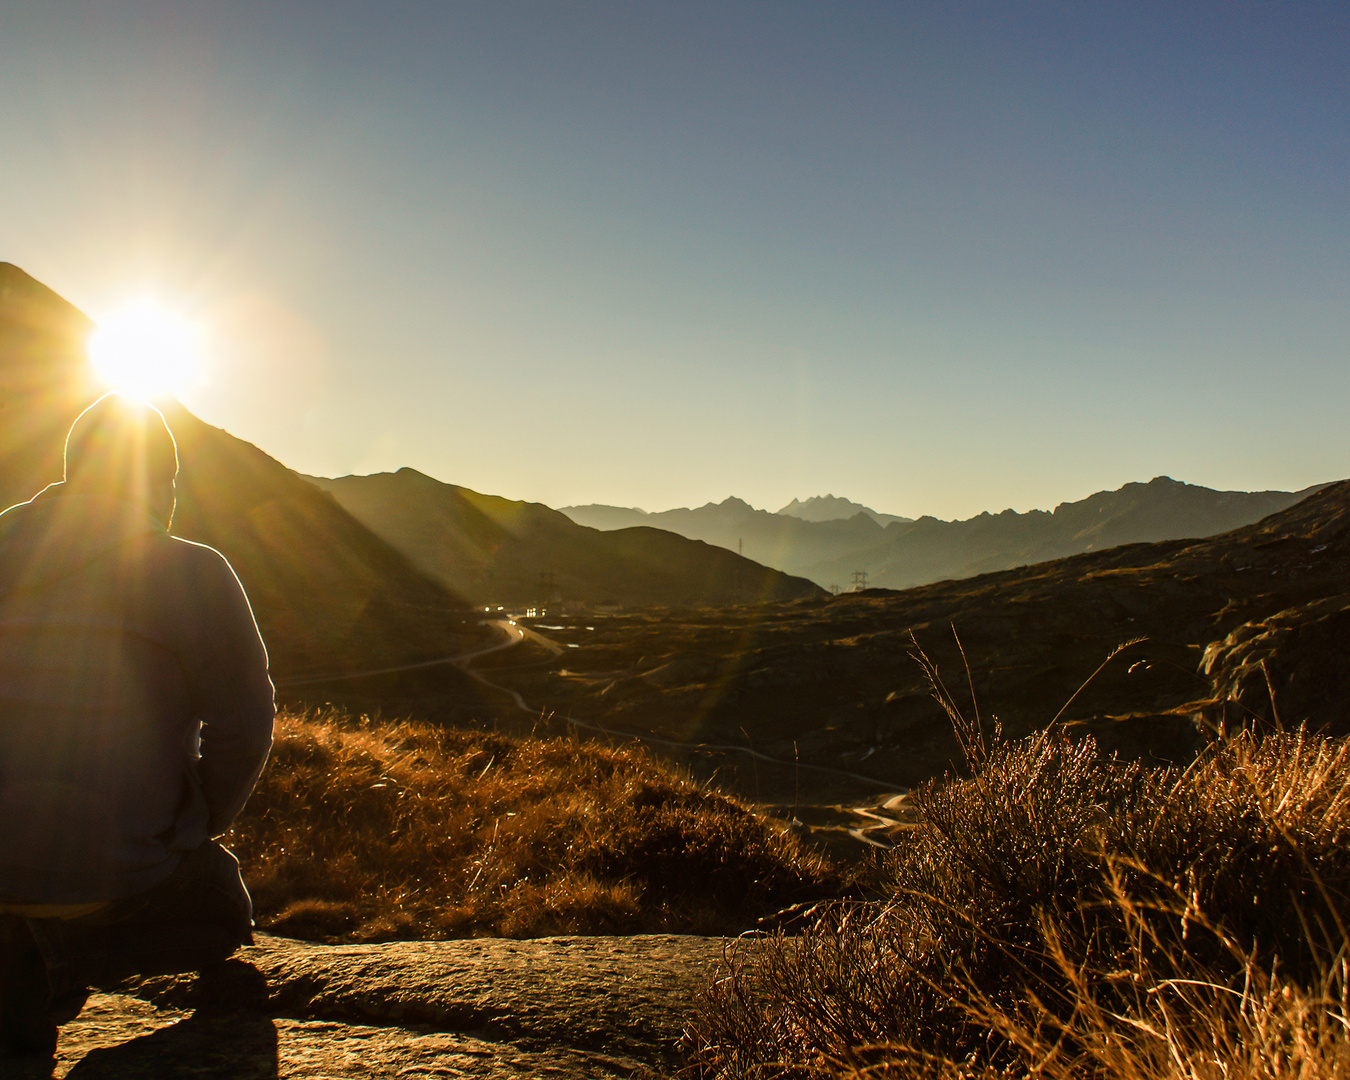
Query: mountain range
496	550
1248	627
899	553
833	508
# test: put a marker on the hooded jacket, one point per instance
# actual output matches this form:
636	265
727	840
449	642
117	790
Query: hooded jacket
135	706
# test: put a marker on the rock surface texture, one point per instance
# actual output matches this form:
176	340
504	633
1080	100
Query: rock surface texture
554	1007
1289	668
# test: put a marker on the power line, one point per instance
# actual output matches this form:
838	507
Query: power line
548	585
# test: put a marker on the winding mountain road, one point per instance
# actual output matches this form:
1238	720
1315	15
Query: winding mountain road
514	636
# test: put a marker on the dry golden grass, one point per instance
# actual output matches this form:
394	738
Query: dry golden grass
1060	915
363	830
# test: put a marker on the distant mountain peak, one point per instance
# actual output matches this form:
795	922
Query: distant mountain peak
834	508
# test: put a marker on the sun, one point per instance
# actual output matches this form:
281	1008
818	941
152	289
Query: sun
146	350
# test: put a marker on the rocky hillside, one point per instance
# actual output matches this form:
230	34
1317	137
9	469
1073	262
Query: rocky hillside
496	550
328	593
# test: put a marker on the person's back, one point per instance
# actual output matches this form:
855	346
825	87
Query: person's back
135	713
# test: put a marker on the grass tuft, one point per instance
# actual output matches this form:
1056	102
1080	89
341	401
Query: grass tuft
1059	914
366	830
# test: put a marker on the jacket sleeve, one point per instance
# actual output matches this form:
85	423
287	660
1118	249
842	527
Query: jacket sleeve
232	695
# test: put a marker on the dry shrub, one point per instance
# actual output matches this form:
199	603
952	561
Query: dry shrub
1062	915
363	830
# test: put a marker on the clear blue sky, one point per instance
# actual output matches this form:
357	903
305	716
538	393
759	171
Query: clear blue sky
939	258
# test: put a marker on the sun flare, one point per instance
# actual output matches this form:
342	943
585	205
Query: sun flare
146	350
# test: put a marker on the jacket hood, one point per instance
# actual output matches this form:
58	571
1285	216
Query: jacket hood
56	534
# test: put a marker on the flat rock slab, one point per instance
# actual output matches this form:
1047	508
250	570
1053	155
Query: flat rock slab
123	1039
495	1008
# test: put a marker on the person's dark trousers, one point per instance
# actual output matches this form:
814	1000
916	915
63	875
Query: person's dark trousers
194	918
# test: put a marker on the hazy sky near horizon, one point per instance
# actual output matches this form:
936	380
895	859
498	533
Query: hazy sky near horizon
935	257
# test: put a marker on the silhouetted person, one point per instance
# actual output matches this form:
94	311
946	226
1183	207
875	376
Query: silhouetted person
135	717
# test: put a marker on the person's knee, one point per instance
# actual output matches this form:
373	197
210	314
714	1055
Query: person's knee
206	888
195	918
176	947
25	1026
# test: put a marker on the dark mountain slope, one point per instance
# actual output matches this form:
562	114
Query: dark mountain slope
44	381
329	594
1163	509
495	550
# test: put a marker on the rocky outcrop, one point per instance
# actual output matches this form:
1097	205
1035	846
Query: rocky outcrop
1289	669
590	1007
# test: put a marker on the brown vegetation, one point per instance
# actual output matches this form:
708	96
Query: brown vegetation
1061	914
366	830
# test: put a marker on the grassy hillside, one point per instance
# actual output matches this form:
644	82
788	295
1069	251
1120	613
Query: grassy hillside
496	550
365	830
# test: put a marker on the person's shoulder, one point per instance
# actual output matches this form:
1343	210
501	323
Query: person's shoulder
190	549
199	591
192	553
200	561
